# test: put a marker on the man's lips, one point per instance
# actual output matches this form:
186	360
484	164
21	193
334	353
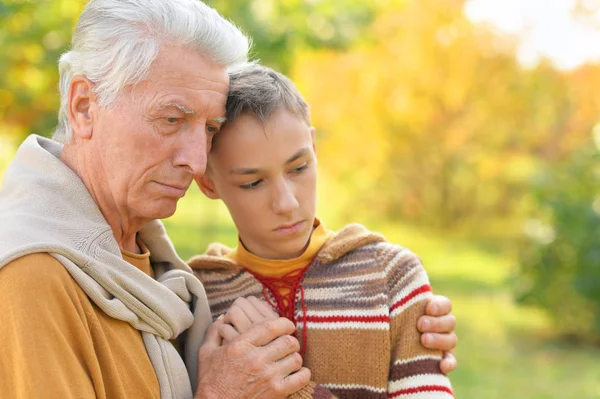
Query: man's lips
177	190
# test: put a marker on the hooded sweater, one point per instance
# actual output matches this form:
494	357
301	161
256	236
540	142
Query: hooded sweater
362	299
63	276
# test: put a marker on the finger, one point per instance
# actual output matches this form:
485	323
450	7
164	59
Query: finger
440	324
438	306
448	363
253	307
212	337
238	318
442	342
228	333
263	333
265	310
289	364
296	381
281	347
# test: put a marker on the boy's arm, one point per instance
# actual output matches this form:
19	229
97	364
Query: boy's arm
437	326
414	369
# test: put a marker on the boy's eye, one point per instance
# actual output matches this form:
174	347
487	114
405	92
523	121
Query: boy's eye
300	168
251	185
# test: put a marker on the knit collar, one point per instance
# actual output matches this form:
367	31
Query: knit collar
276	267
217	256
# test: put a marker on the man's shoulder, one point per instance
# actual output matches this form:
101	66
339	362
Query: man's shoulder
33	276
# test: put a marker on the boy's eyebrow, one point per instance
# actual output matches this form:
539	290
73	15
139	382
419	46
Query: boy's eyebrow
254	171
298	155
244	171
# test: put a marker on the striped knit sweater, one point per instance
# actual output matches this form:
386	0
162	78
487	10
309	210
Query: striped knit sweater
363	297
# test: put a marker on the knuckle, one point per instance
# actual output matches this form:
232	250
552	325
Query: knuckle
452	320
291	342
238	302
271	326
306	376
297	360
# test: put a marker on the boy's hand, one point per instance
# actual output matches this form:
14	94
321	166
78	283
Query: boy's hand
245	312
438	327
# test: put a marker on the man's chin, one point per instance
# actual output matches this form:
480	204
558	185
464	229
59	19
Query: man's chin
167	208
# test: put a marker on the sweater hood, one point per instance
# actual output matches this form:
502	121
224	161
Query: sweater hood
347	239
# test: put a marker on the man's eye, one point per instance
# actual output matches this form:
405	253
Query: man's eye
172	120
210	129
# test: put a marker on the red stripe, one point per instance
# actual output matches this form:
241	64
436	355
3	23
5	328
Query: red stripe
414	293
423	388
341	319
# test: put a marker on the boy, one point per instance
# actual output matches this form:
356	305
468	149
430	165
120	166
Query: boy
354	297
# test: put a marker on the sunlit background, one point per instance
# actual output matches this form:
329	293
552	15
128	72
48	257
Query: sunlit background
465	130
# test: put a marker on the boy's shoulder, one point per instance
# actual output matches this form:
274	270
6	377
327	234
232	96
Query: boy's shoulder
354	239
218	258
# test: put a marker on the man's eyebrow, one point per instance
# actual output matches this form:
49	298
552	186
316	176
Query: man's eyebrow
180	107
220	119
297	155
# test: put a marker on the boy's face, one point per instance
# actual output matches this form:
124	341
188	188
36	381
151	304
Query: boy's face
267	176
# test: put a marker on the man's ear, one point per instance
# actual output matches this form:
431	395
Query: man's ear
81	106
207	186
313	136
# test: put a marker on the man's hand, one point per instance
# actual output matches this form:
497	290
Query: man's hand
438	327
255	360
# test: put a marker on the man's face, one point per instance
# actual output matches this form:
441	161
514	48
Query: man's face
148	146
266	175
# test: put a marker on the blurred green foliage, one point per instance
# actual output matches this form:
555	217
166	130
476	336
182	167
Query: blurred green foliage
560	260
280	29
423	119
33	36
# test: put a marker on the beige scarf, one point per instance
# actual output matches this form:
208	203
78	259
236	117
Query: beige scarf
45	207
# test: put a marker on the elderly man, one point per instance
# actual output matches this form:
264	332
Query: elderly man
94	302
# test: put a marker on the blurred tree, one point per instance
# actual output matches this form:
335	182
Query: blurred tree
446	126
280	29
559	263
33	35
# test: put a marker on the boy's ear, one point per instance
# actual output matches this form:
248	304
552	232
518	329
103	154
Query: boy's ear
313	136
81	106
207	186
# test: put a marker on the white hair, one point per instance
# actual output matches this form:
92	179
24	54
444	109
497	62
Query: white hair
116	41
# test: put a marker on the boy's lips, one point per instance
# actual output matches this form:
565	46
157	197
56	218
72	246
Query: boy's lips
290	228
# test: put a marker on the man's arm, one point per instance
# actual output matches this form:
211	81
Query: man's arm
437	326
43	337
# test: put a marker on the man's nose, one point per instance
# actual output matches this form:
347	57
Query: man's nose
284	198
192	151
